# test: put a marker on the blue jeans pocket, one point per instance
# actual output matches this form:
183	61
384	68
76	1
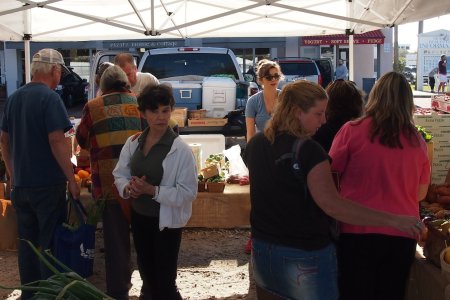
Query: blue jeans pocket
295	273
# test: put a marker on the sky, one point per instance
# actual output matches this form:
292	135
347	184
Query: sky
407	34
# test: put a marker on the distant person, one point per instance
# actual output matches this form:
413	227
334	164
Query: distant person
37	159
158	171
345	103
106	123
431	79
341	71
138	81
442	70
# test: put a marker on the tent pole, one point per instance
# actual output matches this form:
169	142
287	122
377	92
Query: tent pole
351	65
26	46
350	32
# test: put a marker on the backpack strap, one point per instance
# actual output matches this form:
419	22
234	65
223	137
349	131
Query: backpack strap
296	166
292	159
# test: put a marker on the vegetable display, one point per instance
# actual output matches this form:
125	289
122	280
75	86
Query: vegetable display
66	285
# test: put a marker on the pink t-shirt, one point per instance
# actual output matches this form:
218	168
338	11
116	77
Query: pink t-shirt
379	177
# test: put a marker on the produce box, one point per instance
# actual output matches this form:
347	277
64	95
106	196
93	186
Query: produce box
436	242
207	122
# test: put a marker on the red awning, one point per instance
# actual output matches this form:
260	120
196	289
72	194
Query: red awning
371	37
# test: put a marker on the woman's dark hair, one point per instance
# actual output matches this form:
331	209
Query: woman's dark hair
154	96
345	102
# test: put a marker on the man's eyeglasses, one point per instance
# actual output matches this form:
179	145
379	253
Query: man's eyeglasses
270	77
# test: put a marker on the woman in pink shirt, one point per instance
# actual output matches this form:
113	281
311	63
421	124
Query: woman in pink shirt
383	164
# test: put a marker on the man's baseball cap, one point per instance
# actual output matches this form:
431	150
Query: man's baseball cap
49	56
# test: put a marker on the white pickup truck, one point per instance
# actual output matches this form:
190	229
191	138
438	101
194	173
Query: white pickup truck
201	77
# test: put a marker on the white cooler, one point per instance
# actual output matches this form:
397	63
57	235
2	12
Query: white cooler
218	96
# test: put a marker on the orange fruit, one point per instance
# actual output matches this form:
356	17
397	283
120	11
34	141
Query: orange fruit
447	256
77	178
83	174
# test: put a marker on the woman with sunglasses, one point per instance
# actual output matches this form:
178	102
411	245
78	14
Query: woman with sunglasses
261	105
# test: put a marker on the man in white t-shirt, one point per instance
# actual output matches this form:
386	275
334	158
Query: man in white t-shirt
137	79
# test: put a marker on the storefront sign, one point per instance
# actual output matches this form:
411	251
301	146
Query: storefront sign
143	44
372	37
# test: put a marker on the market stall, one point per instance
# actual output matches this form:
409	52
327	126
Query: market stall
229	209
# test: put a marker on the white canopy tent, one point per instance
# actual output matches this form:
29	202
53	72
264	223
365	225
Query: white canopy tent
80	20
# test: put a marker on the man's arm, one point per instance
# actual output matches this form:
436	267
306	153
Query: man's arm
6	154
59	149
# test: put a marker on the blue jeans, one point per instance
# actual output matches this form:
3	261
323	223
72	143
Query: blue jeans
294	273
39	210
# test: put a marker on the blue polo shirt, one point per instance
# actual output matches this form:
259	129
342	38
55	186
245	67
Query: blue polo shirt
31	113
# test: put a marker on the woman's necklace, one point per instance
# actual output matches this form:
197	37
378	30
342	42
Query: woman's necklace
270	100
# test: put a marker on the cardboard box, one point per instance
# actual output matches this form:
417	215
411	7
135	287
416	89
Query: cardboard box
207	122
179	114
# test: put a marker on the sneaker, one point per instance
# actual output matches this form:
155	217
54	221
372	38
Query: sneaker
248	247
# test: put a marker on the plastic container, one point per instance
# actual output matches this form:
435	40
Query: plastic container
187	95
218	96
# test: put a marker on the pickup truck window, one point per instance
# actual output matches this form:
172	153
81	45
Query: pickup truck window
165	66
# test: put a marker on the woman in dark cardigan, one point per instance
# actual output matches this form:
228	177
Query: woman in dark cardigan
345	103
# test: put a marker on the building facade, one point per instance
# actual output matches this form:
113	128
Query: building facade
369	63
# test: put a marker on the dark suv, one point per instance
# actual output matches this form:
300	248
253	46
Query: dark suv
72	88
326	69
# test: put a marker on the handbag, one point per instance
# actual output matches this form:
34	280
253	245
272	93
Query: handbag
74	245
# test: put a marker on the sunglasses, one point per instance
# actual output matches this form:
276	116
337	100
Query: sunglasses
270	77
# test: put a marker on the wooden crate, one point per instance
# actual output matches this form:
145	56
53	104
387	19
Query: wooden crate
207	122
